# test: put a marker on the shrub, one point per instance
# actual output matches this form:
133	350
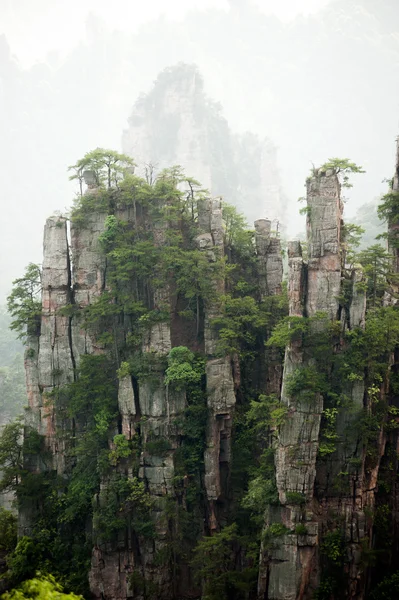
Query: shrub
295	498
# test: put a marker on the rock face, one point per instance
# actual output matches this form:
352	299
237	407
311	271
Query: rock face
51	362
74	279
219	376
176	124
314	288
325	480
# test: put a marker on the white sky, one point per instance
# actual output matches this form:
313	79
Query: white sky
34	27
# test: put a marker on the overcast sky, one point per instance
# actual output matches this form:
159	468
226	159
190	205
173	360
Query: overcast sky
35	27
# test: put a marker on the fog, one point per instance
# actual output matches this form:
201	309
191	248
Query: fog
320	82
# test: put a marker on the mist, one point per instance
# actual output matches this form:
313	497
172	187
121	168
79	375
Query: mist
318	83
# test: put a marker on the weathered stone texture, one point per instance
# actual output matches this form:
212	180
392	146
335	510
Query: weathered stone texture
110	573
127	406
55	357
357	308
55	360
88	277
312	288
270	261
323	225
220	383
296	280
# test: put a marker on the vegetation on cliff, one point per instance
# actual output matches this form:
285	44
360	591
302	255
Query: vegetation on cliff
163	269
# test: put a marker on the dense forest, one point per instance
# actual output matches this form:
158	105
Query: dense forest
200	425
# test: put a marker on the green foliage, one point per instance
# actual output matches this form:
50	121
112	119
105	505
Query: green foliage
121	449
377	265
107	166
329	436
261	492
157	446
305	384
344	167
333	555
40	588
11	456
241	321
264	416
60	543
266	412
333	547
8	530
124	370
236	232
215	566
296	498
182	368
388	209
10	346
12	388
24	302
387	589
301	529
326	588
273	531
123	501
291	329
351	235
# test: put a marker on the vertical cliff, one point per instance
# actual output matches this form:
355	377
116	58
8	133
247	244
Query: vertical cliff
131	377
192	438
331	450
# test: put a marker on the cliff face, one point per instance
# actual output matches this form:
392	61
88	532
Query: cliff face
158	383
151	415
176	124
314	287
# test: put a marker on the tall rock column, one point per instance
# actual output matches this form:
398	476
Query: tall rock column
161	409
88	271
270	262
270	274
293	557
55	359
220	384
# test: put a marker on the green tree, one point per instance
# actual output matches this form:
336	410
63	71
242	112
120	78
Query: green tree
214	561
182	369
8	530
388	589
40	588
11	456
351	235
24	302
377	265
343	167
107	165
241	321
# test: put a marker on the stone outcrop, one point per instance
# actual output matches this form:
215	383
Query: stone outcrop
322	482
220	384
270	262
314	288
50	363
